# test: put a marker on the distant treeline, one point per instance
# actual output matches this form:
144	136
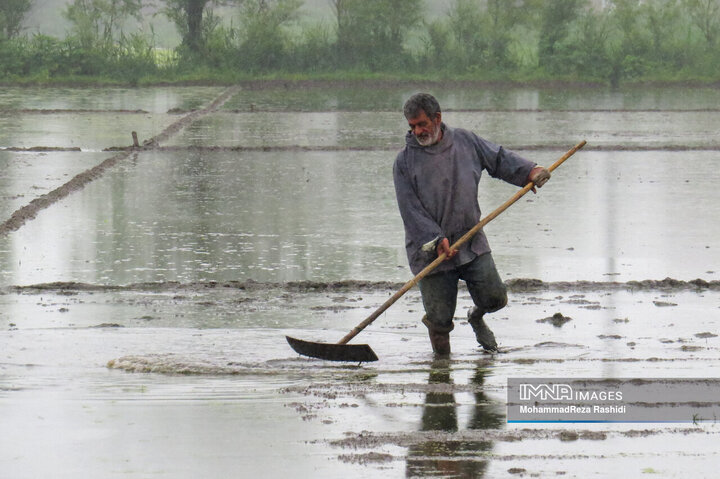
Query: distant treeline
610	41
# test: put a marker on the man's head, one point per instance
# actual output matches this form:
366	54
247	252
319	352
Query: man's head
424	117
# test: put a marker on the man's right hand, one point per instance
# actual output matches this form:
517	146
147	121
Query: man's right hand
443	247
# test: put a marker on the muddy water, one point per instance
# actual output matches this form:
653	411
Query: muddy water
161	351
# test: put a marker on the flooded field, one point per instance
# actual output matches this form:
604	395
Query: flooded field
145	293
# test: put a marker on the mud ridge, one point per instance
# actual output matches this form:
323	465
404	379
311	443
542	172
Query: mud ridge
368	440
42	148
43	111
518	285
254	109
301	148
30	211
273	84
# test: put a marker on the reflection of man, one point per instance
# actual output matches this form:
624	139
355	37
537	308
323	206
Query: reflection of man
436	181
453	458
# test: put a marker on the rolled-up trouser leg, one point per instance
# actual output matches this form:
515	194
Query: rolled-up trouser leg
439	296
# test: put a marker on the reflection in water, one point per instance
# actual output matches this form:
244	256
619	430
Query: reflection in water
448	458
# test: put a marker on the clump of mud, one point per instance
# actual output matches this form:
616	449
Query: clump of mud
367	458
523	285
556	320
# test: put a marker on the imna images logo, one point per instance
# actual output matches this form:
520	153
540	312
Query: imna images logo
545	392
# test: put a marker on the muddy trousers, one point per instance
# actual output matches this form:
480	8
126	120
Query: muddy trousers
439	292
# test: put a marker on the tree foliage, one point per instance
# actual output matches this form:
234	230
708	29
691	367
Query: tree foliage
194	20
100	22
370	33
556	19
12	13
477	39
705	14
264	41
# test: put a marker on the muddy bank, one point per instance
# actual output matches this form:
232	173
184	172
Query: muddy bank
45	149
366	439
273	84
49	111
306	148
518	285
252	108
669	284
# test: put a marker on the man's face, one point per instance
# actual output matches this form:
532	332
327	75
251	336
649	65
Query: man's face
426	130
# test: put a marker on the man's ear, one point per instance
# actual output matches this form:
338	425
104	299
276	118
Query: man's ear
438	117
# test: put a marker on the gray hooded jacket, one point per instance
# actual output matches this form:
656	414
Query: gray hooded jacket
437	192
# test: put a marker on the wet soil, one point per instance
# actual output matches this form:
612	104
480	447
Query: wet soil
519	285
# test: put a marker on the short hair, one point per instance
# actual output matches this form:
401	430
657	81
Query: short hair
421	102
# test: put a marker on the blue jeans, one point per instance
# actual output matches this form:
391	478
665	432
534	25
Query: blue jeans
439	292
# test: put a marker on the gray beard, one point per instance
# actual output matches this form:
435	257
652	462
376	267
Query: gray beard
430	139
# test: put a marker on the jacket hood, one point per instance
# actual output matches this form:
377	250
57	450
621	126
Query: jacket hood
442	145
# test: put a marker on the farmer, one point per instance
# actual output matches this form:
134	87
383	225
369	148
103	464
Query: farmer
436	182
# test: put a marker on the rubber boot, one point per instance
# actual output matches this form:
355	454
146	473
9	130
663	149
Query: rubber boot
483	334
440	342
439	339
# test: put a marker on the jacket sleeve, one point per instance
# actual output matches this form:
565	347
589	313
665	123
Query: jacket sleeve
503	164
420	228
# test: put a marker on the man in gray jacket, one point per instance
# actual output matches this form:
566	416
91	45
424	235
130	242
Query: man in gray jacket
436	181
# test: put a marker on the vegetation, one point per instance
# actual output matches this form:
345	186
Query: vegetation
486	40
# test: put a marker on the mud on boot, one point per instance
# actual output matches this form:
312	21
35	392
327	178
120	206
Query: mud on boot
483	333
439	338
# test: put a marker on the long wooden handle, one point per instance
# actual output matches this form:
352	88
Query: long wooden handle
463	239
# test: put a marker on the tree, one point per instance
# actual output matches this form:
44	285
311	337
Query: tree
662	20
471	44
588	45
370	33
98	22
189	18
503	17
264	41
195	20
556	16
12	13
705	14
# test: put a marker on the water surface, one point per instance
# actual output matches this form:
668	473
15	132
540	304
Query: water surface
186	373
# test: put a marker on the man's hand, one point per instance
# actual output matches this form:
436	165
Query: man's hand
444	247
539	176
